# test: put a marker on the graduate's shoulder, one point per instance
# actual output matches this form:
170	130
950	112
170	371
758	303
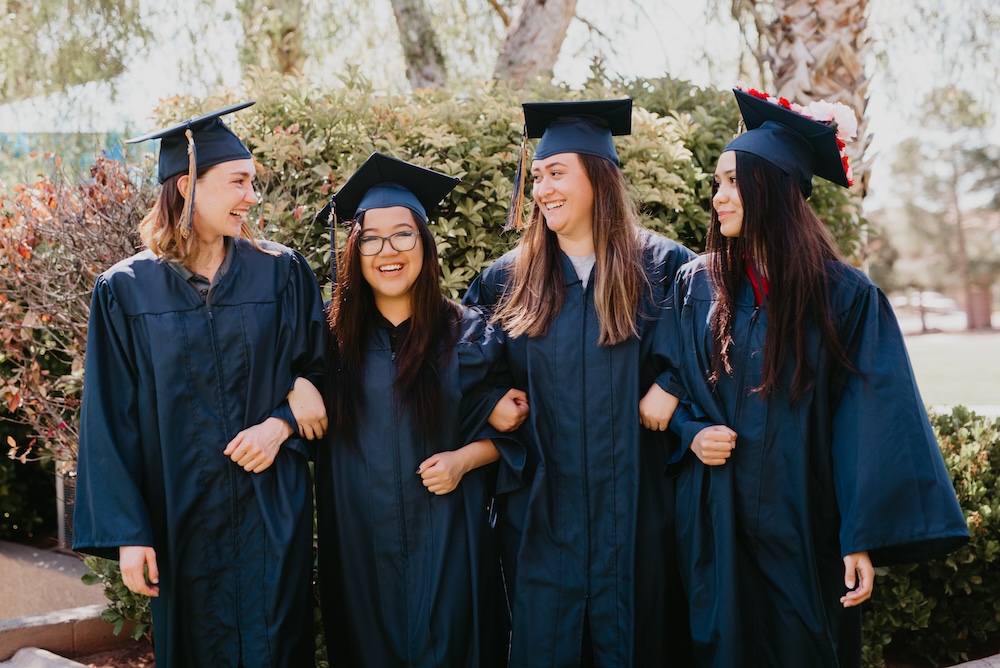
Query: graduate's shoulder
474	324
848	285
132	269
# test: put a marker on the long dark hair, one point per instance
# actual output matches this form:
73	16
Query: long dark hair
353	317
531	304
783	239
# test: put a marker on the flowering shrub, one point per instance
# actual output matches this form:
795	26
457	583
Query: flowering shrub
55	238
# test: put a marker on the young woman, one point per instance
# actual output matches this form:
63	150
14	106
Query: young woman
408	569
585	538
807	454
188	472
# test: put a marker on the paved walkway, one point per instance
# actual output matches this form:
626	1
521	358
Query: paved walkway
36	580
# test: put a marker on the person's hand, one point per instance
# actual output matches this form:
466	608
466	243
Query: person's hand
134	560
255	447
511	411
308	408
859	578
441	472
656	408
714	445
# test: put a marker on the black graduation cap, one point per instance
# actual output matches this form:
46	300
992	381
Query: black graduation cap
578	127
211	143
381	182
568	127
799	145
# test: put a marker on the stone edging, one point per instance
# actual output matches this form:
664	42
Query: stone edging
71	632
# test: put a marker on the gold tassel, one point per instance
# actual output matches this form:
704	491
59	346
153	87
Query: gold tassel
188	214
515	210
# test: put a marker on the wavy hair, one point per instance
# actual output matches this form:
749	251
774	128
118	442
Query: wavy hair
529	304
783	239
353	317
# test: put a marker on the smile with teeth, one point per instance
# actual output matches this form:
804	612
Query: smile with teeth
549	206
386	268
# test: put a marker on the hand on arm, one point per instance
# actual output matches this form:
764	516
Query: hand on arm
308	408
134	560
714	445
859	578
656	408
511	411
441	472
255	447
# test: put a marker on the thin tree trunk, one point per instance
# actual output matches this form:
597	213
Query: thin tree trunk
273	39
424	62
533	42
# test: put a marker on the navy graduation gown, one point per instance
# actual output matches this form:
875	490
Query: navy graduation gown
852	466
590	532
408	578
170	380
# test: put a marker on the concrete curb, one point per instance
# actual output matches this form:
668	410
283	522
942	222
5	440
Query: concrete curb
32	657
987	662
71	632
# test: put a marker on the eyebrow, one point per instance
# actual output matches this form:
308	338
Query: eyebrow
539	168
395	228
725	173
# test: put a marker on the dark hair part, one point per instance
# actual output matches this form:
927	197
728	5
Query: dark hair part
783	239
353	317
530	304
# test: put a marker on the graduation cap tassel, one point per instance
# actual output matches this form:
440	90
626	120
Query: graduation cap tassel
515	210
188	214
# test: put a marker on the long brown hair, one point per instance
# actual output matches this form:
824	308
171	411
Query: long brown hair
423	353
160	230
784	239
533	298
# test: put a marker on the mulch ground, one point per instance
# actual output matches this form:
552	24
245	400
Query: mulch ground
138	656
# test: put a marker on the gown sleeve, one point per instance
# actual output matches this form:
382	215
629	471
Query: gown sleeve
483	365
670	355
304	318
895	496
113	514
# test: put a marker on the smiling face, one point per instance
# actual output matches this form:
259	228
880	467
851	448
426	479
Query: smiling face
391	273
726	200
222	199
564	194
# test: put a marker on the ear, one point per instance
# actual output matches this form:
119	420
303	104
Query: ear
182	185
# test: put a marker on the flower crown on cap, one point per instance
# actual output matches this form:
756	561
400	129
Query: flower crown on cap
835	114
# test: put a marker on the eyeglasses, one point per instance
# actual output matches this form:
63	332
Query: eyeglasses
400	242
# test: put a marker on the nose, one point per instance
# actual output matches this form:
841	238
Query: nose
252	197
387	248
542	187
719	196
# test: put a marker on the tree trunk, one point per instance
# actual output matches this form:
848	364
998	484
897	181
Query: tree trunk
533	42
272	38
424	62
818	49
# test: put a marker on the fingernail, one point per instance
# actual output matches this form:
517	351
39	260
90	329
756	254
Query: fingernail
418	471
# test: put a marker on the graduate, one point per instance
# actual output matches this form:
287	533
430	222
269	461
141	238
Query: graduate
408	567
807	457
587	539
191	469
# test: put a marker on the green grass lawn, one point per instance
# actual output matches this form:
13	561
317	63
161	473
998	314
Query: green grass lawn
957	368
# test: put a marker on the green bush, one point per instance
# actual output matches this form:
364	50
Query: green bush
939	611
124	606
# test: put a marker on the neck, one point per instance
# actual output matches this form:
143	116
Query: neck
394	309
207	257
576	246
